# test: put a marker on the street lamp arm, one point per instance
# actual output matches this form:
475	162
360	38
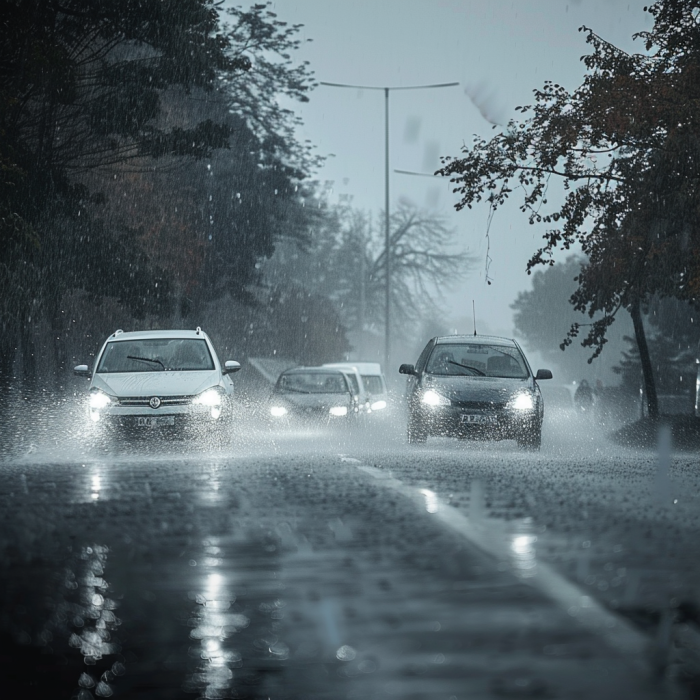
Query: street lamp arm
413	172
396	87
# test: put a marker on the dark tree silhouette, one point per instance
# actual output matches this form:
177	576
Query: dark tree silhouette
98	95
625	145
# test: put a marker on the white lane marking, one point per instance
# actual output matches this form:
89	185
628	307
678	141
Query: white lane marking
491	538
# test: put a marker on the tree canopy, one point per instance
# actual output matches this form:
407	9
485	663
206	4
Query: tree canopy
625	144
104	104
345	262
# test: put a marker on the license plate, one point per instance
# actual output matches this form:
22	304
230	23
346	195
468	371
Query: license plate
476	419
154	421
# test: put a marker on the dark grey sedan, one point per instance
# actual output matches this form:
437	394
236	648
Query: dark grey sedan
474	387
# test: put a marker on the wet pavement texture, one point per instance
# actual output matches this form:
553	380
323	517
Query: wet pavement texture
287	567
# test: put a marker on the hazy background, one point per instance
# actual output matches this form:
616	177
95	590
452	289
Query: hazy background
498	50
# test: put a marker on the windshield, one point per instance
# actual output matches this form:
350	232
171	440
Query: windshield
312	383
373	384
478	360
156	355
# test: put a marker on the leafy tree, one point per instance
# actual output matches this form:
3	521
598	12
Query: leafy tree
265	44
81	89
95	94
345	262
543	314
294	323
674	346
624	145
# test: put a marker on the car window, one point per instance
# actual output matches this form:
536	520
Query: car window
420	364
373	384
312	383
476	359
156	355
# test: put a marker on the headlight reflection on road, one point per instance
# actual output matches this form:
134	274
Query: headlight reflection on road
213	624
94	484
523	555
96	487
211	493
431	500
93	619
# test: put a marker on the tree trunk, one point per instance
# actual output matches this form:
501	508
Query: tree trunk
647	372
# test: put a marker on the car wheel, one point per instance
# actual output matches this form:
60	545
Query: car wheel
530	440
416	432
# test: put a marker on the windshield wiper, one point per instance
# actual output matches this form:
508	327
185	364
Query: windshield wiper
145	359
473	369
289	390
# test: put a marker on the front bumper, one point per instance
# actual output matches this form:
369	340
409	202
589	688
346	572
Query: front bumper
455	421
301	415
168	417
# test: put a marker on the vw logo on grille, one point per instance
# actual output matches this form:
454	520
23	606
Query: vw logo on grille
154	402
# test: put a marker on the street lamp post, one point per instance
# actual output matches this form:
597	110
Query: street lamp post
387	235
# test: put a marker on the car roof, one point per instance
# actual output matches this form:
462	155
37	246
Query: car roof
362	367
342	366
316	370
475	340
146	335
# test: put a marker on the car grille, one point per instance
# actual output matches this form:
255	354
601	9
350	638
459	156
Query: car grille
480	405
164	400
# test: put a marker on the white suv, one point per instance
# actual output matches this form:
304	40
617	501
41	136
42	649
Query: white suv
159	379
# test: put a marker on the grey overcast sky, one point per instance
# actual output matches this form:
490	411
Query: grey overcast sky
498	50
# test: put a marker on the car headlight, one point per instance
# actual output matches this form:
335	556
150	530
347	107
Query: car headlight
432	398
210	397
378	405
339	411
98	399
278	411
523	402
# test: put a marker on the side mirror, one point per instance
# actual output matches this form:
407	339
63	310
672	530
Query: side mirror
407	369
543	374
230	366
81	371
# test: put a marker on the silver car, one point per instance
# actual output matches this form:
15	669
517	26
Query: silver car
170	380
319	395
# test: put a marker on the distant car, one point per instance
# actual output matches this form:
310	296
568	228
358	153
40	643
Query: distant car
474	387
170	380
323	395
375	397
356	383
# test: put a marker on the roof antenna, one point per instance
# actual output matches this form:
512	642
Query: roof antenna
474	315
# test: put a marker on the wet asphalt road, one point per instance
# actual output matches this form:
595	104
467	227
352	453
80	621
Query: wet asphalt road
324	566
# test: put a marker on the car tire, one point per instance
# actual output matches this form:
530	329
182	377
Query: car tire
530	440
416	432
